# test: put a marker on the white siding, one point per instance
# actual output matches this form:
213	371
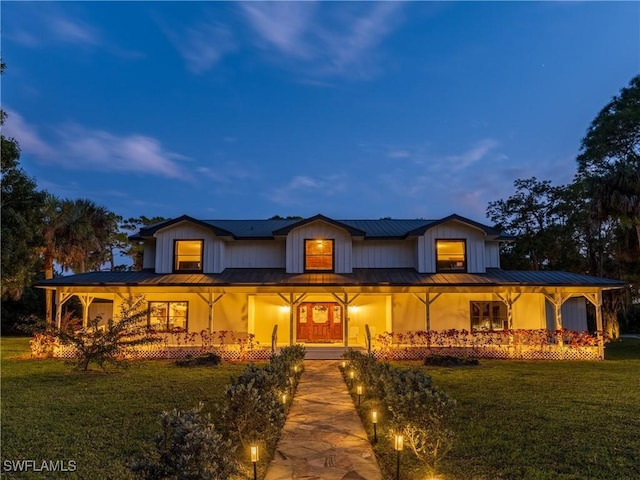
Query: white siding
213	261
149	254
384	254
574	314
255	254
319	230
452	230
492	255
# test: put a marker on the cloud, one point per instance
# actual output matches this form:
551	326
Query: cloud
471	156
26	135
77	147
226	173
308	190
281	24
202	45
334	40
73	31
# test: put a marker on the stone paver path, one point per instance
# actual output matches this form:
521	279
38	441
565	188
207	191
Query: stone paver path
323	437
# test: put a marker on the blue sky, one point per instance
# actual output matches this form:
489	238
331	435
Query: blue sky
353	110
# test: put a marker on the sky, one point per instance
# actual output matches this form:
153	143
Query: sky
227	110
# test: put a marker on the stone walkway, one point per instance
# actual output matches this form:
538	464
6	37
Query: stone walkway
323	437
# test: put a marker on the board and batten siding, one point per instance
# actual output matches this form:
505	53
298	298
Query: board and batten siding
492	255
455	231
384	254
255	254
213	254
319	230
149	254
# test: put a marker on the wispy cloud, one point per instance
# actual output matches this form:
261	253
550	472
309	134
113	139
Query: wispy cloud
202	45
226	173
70	30
471	156
77	147
307	190
332	40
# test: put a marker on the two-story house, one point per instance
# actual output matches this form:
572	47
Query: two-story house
321	280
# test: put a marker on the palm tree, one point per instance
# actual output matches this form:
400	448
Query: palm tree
77	234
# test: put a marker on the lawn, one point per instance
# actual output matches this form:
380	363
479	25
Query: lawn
100	421
545	419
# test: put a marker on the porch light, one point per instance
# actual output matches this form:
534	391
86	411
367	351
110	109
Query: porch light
398	445
359	391
254	459
374	420
285	308
353	308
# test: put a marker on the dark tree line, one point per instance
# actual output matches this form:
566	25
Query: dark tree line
591	225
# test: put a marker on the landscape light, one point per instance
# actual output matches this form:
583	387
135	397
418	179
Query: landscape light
254	459
398	445
374	420
359	390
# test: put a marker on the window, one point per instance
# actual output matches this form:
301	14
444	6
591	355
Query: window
488	316
188	256
451	256
318	255
165	316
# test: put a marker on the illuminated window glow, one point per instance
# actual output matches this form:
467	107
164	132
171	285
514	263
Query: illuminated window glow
188	256
318	255
451	256
165	316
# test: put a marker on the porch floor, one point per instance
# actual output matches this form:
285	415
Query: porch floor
329	352
323	437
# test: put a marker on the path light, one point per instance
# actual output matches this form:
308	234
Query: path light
359	390
398	445
352	375
284	398
254	459
344	364
295	368
374	420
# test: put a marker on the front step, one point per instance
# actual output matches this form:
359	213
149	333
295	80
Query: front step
328	353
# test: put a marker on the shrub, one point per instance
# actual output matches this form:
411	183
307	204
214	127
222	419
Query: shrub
449	361
207	360
110	345
189	448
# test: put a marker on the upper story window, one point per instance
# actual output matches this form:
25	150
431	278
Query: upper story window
451	255
318	255
188	256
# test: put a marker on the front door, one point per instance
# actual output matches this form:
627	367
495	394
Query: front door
319	322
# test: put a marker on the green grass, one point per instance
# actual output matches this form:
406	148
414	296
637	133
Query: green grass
544	419
100	420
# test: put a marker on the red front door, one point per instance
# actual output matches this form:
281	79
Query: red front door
319	322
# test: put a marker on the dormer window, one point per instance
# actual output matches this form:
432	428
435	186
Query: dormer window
188	256
451	255
318	255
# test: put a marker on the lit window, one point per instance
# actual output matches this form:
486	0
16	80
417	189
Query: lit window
488	316
167	316
318	255
451	256
188	256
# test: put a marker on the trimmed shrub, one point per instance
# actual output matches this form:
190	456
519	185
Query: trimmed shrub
449	361
206	360
189	448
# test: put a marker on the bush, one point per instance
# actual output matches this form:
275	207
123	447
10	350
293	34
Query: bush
111	344
207	360
449	361
189	448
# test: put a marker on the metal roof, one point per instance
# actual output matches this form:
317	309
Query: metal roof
359	277
264	229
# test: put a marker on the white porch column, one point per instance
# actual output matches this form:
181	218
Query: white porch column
596	300
86	301
61	298
509	300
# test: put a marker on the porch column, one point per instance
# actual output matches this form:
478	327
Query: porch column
291	302
61	298
557	299
345	302
509	300
211	300
427	301
86	301
596	300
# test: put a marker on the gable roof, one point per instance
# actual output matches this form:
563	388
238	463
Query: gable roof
355	232
384	228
